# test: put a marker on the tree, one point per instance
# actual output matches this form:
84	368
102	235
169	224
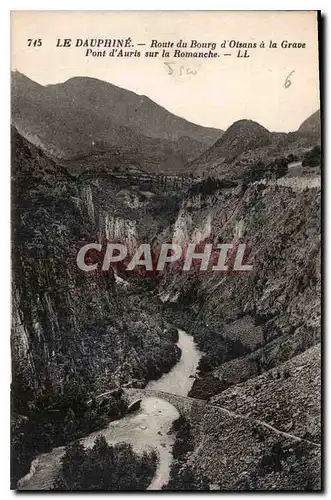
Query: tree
313	157
105	468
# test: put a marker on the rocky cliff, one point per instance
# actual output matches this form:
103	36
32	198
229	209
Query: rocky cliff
67	323
281	295
260	334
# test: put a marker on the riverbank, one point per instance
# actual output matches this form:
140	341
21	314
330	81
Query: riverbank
147	429
59	413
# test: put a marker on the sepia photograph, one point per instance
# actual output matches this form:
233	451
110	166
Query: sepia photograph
166	251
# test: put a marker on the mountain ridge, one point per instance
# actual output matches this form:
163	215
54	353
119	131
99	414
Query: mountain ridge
247	142
84	115
67	119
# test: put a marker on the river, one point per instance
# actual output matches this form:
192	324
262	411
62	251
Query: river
146	429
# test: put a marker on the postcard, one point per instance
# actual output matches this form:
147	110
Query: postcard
166	251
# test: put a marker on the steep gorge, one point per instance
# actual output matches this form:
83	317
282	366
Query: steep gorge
74	330
260	333
274	310
72	333
52	217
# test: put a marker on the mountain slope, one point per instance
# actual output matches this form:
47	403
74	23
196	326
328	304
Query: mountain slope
73	332
240	137
260	333
312	124
84	114
52	217
245	143
135	111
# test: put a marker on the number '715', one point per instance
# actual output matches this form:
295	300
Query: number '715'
34	42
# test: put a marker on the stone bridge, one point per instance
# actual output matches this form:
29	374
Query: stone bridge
196	410
183	404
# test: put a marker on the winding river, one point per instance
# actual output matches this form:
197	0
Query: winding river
146	429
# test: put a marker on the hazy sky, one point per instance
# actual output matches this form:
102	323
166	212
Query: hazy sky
223	90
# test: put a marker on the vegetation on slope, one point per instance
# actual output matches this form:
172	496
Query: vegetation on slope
105	468
70	330
52	420
182	476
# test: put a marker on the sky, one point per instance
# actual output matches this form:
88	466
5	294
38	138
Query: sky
212	92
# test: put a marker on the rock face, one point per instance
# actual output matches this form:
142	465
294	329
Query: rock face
287	397
68	325
236	452
266	433
86	115
281	228
260	332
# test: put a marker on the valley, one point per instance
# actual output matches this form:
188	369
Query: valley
148	429
226	365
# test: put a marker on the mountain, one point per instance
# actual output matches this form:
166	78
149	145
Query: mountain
252	418
240	137
84	114
312	124
137	112
245	143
